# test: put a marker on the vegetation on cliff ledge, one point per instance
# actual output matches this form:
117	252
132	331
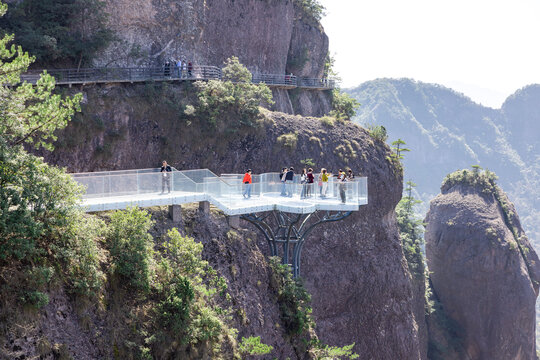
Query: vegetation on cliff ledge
234	102
295	307
311	10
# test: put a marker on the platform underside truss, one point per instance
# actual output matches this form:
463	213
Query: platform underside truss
288	232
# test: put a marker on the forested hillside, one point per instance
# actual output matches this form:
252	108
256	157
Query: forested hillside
446	131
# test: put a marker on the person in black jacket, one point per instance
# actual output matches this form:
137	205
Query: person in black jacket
166	177
289	178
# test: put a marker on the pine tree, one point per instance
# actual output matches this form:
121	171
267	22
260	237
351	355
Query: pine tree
410	230
398	148
34	197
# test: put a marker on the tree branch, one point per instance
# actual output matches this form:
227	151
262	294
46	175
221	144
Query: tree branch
34	130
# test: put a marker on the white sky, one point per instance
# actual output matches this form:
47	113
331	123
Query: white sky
486	49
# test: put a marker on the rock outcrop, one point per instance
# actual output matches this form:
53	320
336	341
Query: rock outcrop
354	270
483	270
267	36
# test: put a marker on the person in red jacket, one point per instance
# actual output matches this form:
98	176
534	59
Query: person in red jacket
247	183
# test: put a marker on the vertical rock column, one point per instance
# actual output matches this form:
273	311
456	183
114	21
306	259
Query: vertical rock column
479	273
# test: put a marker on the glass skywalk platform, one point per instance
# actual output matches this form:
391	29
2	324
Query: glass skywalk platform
112	190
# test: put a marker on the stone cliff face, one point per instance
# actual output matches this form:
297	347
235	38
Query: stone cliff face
267	36
355	270
485	276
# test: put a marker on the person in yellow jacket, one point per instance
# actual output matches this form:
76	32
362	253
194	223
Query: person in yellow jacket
247	184
324	180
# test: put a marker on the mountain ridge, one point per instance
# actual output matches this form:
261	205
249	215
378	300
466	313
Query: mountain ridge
446	131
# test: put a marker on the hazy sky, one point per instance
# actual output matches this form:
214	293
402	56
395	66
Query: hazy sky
484	49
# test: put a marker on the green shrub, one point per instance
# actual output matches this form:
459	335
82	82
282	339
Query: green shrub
83	257
40	276
233	103
312	10
327	121
294	300
185	253
288	140
343	105
234	71
175	307
206	325
254	346
186	286
35	203
485	181
32	291
325	352
36	299
377	132
308	162
131	246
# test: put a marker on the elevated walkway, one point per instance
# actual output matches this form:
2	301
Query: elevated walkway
112	190
85	76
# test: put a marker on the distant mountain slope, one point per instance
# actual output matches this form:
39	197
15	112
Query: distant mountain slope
446	130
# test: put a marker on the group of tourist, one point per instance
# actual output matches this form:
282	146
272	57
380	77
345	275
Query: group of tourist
286	177
307	180
180	68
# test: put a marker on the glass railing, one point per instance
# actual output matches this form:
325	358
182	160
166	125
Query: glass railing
122	183
227	189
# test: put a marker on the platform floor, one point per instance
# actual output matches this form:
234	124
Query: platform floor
230	205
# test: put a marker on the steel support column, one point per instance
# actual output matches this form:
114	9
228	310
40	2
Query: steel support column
281	228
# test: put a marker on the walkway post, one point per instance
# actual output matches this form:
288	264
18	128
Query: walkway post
204	206
175	213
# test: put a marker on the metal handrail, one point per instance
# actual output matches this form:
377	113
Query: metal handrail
128	74
274	79
324	83
170	72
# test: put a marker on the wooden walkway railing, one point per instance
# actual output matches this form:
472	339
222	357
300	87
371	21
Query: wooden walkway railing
170	73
